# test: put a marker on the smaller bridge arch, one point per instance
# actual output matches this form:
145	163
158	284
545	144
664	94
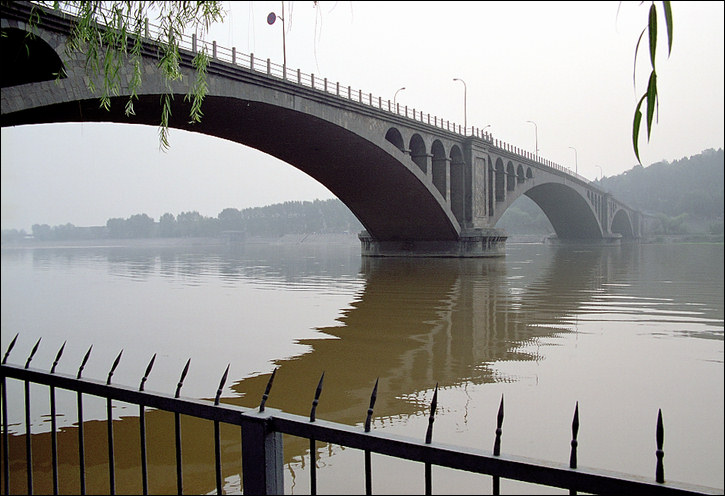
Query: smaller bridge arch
418	152
440	162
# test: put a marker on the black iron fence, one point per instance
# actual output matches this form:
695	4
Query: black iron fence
262	443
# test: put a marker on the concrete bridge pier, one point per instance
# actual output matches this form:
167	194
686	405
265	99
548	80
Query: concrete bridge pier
473	243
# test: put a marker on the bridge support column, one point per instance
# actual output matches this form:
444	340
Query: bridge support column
474	243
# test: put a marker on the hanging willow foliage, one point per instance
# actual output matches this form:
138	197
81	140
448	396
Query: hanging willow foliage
651	94
110	35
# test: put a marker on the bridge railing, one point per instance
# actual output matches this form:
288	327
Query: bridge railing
262	465
193	44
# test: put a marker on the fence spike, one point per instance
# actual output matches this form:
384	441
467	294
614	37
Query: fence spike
83	363
499	430
57	358
266	390
181	379
146	374
574	433
660	471
431	418
221	386
373	397
316	401
113	368
32	353
12	343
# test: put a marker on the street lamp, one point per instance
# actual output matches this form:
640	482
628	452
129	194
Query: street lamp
576	160
536	133
600	172
271	17
465	90
485	127
396	94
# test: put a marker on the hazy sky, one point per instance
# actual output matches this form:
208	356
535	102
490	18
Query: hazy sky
567	66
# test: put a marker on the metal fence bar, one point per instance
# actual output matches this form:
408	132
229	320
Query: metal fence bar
177	431
660	438
28	443
313	449
217	437
81	442
574	442
368	466
54	426
109	414
429	439
4	409
142	430
497	446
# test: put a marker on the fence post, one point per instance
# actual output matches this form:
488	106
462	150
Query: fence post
262	450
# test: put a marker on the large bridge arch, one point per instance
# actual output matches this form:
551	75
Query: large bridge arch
568	211
622	224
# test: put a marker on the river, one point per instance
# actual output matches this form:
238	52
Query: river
620	331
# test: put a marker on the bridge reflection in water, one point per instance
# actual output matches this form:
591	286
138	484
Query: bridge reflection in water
453	319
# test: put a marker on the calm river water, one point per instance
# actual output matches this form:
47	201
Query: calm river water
623	331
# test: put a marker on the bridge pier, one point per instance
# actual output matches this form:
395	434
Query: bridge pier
475	243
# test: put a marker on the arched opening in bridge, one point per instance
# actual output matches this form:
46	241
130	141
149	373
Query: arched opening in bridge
418	152
510	177
394	136
525	220
457	183
569	212
529	173
622	224
27	59
439	168
520	174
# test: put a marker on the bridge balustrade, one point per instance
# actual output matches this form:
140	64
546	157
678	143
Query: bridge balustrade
192	44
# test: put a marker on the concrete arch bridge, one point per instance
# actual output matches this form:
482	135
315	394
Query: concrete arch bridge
420	185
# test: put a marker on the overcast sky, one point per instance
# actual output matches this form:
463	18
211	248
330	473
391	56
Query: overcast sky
566	66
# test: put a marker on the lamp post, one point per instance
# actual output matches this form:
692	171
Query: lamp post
465	90
271	17
536	134
485	127
396	94
600	172
576	161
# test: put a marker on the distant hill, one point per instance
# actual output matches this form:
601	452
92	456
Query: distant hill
690	189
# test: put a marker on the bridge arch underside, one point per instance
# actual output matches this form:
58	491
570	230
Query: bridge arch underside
622	224
568	211
386	194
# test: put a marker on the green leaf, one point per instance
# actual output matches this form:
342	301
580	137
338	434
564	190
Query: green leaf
668	22
635	128
651	99
652	34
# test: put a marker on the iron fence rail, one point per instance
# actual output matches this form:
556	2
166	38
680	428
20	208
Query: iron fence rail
262	446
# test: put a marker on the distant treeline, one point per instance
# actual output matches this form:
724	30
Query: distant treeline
685	195
294	217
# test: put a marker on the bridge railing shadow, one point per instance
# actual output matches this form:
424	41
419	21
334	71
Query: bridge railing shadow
193	44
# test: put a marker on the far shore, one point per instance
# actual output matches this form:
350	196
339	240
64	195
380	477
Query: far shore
307	239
